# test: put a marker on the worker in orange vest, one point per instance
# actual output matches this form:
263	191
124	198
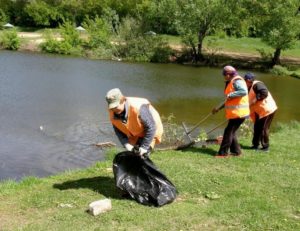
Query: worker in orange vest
236	109
135	121
262	111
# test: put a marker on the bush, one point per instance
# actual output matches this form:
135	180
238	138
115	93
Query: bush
172	131
70	35
161	54
133	44
266	56
69	44
100	52
99	33
9	40
52	45
296	74
280	70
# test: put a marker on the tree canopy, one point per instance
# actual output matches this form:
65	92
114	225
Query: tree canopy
277	23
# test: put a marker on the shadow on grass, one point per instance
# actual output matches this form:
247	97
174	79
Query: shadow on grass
100	184
200	150
246	147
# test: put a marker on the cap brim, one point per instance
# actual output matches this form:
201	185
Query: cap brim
113	105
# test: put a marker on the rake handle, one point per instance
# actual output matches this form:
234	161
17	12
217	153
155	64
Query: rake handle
197	125
205	118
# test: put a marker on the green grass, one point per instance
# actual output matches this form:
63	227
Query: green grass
256	191
239	45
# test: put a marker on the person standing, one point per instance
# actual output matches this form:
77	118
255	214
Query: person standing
135	121
262	111
236	110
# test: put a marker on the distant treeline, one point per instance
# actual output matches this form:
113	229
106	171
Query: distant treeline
276	22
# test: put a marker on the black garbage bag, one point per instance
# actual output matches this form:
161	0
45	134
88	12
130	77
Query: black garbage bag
141	179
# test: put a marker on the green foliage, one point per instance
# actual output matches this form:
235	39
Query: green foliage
196	19
265	55
70	35
283	128
246	129
69	44
99	33
41	13
101	53
280	70
3	17
158	16
296	74
202	136
172	132
51	45
279	24
9	40
133	44
161	53
284	71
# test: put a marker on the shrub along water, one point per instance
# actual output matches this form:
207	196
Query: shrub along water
9	40
257	191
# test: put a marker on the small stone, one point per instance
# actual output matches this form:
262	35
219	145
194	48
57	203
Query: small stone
100	206
65	205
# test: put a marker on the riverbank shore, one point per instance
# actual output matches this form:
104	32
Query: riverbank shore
257	191
32	40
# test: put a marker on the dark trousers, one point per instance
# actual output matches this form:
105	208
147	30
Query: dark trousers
261	130
230	142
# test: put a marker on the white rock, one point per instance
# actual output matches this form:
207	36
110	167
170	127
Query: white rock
100	206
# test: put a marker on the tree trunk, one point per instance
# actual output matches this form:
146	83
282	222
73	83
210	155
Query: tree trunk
194	52
203	29
276	57
200	56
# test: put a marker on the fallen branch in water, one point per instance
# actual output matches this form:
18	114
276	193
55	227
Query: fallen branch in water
105	144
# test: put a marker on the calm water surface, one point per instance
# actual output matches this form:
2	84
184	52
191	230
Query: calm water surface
53	107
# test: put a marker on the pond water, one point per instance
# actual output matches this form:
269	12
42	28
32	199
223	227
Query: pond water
53	108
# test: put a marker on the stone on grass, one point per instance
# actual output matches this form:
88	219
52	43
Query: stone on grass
100	206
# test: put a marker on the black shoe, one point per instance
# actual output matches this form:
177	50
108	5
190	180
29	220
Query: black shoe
254	147
265	149
235	154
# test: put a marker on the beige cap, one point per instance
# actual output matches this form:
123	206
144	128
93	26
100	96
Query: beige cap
113	97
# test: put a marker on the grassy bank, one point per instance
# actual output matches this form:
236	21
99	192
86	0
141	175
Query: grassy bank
244	45
257	191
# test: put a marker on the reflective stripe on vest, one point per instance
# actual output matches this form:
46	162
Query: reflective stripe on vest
263	107
133	128
237	107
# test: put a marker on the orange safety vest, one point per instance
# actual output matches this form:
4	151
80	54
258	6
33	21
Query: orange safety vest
237	107
133	128
261	107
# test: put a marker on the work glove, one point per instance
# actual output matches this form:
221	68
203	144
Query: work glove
215	110
142	151
128	147
228	96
